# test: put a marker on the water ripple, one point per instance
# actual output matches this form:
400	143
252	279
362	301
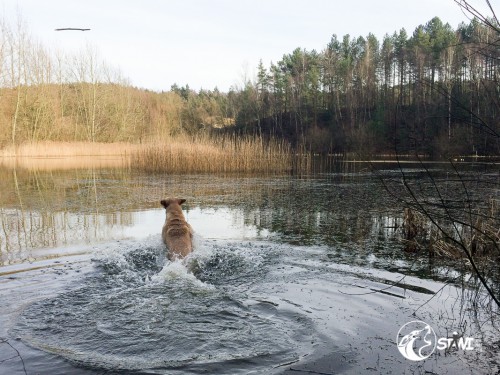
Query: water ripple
139	312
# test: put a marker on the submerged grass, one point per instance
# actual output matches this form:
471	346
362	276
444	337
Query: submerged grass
204	154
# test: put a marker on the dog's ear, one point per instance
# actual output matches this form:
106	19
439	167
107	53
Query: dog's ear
164	203
181	201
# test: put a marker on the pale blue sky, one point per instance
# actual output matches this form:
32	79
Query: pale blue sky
208	43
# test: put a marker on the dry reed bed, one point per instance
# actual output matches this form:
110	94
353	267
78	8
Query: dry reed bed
182	154
214	155
69	149
480	238
65	163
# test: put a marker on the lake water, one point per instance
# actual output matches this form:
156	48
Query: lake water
290	275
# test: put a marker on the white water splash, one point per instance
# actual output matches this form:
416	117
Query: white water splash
177	270
111	257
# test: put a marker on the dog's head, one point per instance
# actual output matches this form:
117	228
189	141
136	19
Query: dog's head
171	201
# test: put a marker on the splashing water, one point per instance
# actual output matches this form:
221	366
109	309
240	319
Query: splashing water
139	311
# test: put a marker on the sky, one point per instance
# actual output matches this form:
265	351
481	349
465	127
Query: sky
213	43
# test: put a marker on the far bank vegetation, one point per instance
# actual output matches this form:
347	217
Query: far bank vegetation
417	93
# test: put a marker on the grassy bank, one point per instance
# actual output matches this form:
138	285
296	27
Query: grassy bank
182	154
49	156
214	155
68	149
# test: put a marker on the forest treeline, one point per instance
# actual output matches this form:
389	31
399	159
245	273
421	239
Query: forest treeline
434	92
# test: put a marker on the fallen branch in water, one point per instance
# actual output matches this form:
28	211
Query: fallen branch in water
5	341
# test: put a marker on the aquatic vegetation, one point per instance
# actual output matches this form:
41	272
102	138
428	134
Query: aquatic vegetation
480	238
214	155
180	154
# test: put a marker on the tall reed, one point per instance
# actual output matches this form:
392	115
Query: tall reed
204	154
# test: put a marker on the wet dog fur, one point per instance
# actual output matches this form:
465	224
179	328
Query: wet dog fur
177	234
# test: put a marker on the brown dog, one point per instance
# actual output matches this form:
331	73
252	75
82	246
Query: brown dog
176	233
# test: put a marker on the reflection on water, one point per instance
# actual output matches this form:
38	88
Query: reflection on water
40	210
286	270
28	236
43	214
51	210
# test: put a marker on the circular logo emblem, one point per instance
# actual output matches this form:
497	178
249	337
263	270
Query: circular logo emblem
416	340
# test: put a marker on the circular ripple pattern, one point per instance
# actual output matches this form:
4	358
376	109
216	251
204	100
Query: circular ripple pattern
140	312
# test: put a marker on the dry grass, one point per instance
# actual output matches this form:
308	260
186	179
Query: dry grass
480	238
68	149
182	154
48	156
214	155
53	163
